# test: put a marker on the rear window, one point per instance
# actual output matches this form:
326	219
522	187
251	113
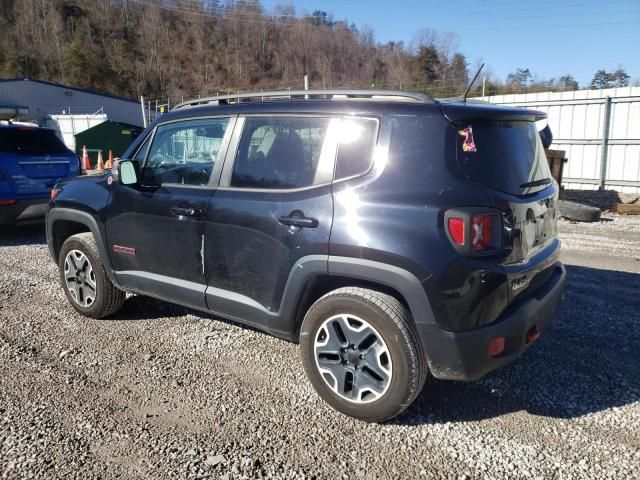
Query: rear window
504	155
356	142
30	141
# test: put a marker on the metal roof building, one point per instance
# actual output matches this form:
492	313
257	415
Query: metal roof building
47	98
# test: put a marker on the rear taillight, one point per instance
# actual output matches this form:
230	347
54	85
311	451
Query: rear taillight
473	231
481	232
7	202
456	230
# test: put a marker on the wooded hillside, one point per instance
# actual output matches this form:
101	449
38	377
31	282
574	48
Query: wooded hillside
171	48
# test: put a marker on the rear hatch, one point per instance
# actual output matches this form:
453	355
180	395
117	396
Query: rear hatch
500	148
32	160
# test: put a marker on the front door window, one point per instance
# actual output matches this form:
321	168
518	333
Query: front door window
184	153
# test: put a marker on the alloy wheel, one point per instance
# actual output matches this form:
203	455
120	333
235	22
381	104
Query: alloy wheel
80	278
353	358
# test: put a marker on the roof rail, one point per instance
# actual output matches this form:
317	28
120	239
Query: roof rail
306	94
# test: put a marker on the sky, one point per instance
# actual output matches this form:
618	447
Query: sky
550	37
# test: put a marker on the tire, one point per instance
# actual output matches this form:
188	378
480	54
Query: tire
385	371
91	292
578	211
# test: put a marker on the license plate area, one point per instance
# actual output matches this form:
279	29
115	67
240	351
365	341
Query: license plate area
55	169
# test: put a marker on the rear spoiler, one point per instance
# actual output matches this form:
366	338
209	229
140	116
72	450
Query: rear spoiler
464	113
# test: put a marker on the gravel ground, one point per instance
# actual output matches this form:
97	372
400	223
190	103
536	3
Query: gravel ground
161	391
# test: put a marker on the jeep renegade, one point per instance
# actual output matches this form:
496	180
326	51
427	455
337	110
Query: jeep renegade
390	234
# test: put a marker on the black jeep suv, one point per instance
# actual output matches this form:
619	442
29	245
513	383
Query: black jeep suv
392	235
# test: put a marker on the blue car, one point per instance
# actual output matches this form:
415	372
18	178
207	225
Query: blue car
32	161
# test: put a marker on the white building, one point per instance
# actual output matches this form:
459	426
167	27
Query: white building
45	99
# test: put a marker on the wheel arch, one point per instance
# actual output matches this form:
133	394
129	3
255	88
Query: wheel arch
309	281
62	223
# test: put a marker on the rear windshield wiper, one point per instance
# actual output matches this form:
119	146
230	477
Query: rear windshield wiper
536	183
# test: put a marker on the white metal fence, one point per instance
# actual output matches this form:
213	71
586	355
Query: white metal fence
600	131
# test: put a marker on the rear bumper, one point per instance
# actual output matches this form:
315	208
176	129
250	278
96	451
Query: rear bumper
463	355
23	211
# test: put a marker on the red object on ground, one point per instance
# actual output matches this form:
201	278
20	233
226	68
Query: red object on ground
86	163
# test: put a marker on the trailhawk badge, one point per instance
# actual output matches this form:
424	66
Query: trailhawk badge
519	283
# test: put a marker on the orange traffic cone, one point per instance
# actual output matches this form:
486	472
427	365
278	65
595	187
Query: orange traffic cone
100	165
109	163
86	163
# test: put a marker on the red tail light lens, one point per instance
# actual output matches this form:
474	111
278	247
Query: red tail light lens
481	232
7	202
474	231
456	230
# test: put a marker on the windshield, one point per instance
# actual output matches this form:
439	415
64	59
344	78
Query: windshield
30	141
504	155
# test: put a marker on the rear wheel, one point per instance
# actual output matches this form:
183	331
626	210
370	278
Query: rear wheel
362	354
84	279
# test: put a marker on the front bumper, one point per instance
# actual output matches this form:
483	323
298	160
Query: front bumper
464	356
24	210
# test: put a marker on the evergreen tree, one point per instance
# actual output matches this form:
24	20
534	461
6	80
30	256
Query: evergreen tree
619	78
427	64
600	79
519	79
567	82
458	71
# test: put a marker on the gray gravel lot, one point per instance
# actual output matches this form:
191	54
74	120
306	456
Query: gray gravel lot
161	391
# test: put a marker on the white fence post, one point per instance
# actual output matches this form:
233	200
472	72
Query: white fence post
604	153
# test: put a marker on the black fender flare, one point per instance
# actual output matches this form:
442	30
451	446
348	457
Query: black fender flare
84	218
399	279
283	322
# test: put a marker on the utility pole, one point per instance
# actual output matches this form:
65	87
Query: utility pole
144	116
484	82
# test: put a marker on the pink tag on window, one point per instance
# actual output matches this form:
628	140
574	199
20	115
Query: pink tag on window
468	145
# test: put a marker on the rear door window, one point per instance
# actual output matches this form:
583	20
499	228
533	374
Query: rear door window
283	152
31	141
505	155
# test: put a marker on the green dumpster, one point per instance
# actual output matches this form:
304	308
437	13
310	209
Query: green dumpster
109	135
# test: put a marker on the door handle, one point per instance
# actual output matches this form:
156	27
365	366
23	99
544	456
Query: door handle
306	222
185	211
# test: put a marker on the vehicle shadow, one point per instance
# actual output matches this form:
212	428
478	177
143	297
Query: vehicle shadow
27	234
141	307
588	362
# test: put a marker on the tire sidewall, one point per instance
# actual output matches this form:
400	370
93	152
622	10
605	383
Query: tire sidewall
74	243
578	211
398	394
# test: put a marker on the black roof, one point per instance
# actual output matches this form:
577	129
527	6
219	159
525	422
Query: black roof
22	126
451	110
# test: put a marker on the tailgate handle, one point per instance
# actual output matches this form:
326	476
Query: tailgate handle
185	212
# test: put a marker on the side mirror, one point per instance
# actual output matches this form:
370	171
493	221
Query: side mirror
546	136
128	172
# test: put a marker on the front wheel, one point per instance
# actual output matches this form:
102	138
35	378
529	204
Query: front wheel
84	279
362	354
